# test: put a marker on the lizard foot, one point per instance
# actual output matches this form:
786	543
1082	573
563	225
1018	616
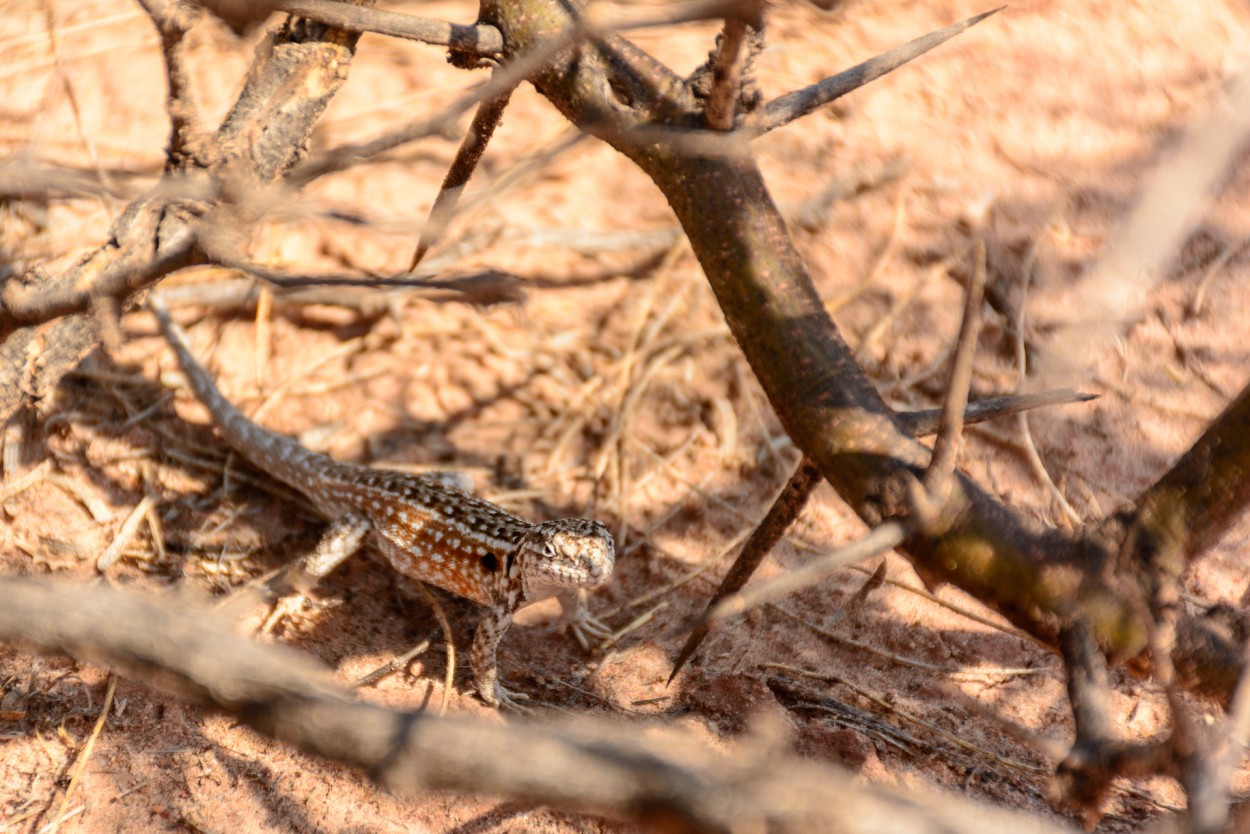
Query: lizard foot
585	627
292	606
287	606
503	698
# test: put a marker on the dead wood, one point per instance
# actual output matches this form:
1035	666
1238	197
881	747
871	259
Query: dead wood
663	783
48	323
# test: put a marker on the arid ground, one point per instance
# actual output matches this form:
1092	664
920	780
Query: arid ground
614	390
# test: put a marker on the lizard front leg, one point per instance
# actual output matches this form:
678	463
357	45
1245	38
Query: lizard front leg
490	631
579	620
344	537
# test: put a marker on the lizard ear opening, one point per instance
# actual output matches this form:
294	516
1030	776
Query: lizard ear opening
489	563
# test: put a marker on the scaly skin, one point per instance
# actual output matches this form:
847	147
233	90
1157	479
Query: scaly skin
426	530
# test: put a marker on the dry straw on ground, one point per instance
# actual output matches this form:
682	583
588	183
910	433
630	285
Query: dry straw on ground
568	357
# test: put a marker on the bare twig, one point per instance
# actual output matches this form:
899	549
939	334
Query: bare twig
883	538
946	445
722	102
925	422
784	510
1197	303
502	81
370	297
485	121
1022	419
484	41
186	131
449	642
394	665
484	287
785	109
84	756
505	79
126	533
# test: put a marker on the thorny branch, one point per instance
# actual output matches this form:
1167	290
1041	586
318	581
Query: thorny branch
1042	580
1038	578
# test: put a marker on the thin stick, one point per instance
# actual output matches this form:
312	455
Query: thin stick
925	422
125	534
508	77
946	445
1198	302
489	113
486	41
785	509
888	535
726	77
86	754
395	664
1022	419
450	678
787	108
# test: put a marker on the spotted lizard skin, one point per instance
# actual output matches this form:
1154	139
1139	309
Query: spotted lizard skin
425	529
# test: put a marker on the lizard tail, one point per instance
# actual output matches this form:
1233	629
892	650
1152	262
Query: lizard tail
281	456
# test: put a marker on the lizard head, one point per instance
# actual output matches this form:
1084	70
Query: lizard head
566	554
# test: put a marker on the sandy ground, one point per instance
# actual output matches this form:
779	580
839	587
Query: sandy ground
620	396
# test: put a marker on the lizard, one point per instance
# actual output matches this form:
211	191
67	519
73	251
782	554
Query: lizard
425	529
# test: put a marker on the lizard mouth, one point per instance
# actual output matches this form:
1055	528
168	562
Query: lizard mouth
584	573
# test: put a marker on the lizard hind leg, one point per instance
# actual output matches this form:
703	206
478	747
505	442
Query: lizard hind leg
345	535
485	663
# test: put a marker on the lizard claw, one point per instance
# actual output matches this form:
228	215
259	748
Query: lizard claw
585	627
287	606
503	698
